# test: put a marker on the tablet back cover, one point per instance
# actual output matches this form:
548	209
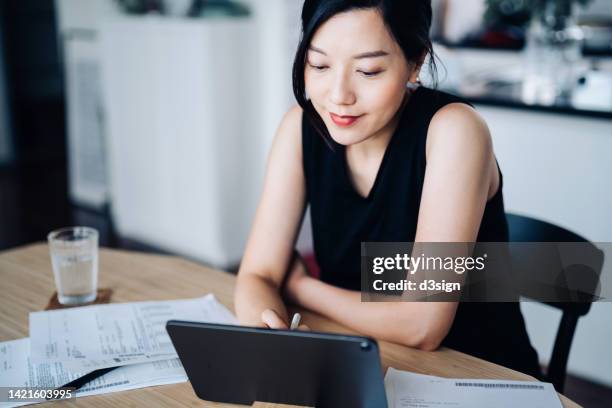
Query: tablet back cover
242	365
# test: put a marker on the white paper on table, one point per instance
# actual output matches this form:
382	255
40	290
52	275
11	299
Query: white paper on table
17	370
92	337
410	390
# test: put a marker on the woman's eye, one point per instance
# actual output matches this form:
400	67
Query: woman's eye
370	74
318	67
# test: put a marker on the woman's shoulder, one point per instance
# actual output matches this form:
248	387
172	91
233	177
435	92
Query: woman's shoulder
289	132
436	109
458	124
292	121
459	138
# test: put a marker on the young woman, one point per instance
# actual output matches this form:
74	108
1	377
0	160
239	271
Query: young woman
377	158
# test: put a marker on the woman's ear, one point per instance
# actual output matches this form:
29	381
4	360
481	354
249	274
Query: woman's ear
413	80
416	69
414	75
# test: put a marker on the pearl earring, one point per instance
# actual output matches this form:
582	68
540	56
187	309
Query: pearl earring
413	85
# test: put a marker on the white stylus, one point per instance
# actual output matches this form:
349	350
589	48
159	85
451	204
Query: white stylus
295	321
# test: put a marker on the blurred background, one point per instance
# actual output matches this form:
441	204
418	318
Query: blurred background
150	120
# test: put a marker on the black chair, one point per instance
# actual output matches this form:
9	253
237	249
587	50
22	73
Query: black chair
526	229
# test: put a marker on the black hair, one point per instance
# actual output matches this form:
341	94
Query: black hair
408	23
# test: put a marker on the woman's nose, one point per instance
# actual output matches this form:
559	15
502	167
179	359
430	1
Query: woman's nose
341	92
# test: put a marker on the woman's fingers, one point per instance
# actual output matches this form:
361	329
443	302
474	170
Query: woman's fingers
273	320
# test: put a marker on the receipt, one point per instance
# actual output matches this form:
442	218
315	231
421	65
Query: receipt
98	336
17	370
410	390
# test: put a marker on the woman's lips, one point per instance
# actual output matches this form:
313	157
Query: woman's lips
345	120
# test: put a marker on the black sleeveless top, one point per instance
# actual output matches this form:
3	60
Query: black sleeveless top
342	219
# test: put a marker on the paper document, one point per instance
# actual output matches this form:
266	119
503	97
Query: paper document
17	370
98	336
410	390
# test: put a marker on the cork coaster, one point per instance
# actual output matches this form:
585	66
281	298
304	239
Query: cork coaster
104	295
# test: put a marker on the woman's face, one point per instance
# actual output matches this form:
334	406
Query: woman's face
356	75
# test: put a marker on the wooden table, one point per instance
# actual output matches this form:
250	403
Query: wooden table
26	284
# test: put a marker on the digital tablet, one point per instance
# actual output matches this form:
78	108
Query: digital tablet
241	365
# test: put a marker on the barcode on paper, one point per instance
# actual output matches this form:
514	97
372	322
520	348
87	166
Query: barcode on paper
500	385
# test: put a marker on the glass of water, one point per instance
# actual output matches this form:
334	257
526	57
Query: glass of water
74	255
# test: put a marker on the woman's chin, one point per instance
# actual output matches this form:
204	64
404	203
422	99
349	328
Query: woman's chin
347	137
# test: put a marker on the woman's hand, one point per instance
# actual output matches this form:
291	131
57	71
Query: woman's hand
271	319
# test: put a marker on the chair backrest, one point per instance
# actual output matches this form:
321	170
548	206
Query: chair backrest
526	229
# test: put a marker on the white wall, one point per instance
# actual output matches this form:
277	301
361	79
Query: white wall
278	31
278	27
557	168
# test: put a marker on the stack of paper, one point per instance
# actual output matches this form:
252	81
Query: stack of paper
410	390
67	344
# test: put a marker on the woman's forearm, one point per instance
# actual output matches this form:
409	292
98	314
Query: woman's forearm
253	295
404	323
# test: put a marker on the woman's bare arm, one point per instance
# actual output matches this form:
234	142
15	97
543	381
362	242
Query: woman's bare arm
461	174
270	245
